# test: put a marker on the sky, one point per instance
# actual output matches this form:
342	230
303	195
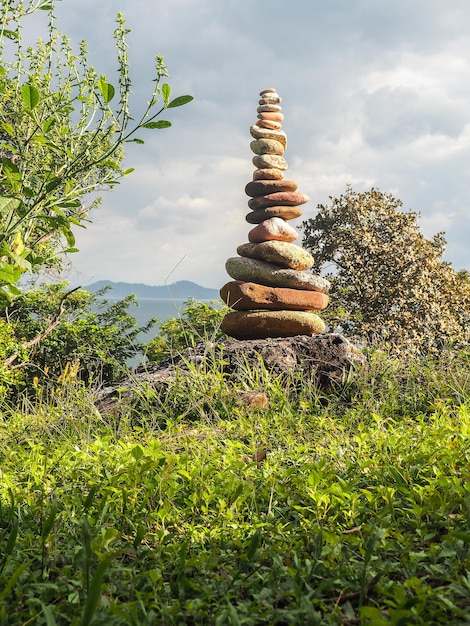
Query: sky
375	93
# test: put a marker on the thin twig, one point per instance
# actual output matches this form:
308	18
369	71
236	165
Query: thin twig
55	320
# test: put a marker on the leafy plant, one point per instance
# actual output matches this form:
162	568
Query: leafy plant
198	322
389	283
91	340
357	513
63	128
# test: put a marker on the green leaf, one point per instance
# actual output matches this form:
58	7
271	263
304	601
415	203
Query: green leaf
8	128
253	545
166	93
106	89
48	614
8	204
94	592
135	140
30	96
128	171
177	102
10	34
159	124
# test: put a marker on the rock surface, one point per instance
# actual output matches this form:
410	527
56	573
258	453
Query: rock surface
284	212
243	296
278	252
318	359
273	229
254	271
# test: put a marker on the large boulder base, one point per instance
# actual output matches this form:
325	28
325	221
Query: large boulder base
319	359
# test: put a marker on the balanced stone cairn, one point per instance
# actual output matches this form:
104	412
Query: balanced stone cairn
272	294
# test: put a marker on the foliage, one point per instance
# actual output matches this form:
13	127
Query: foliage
389	283
198	322
358	513
92	341
63	128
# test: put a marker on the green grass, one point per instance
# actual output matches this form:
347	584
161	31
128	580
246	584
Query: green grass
359	514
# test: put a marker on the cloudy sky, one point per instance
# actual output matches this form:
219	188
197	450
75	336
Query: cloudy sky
376	93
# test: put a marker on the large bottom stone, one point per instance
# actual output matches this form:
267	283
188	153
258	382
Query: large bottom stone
263	324
243	296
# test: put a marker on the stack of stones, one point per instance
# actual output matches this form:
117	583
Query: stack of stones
272	294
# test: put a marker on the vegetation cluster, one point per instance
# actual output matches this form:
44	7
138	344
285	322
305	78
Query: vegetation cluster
207	506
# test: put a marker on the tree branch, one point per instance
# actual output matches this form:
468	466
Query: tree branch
54	322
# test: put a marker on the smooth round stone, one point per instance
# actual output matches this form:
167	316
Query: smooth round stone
264	324
268	90
285	212
263	108
269	124
274	229
270	98
267	146
254	271
268	161
243	296
278	252
265	133
277	117
264	187
271	173
281	198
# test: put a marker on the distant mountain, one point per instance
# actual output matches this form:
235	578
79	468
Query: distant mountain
180	290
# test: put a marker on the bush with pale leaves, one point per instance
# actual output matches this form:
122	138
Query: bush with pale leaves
389	283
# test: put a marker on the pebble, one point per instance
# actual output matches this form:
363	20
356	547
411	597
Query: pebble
264	187
268	161
277	117
264	324
281	198
263	108
268	90
271	173
285	212
271	124
252	270
270	98
243	296
265	133
280	253
267	146
273	229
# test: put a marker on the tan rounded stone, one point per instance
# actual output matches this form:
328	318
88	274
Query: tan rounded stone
268	161
281	198
267	115
271	173
264	187
265	133
264	324
267	146
254	271
263	108
270	98
280	253
269	124
273	229
286	212
243	296
268	90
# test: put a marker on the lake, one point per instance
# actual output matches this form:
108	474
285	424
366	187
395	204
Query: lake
161	308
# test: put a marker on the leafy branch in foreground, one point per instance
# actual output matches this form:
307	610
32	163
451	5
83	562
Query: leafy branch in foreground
63	128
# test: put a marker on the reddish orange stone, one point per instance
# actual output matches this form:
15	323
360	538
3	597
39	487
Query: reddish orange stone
244	296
